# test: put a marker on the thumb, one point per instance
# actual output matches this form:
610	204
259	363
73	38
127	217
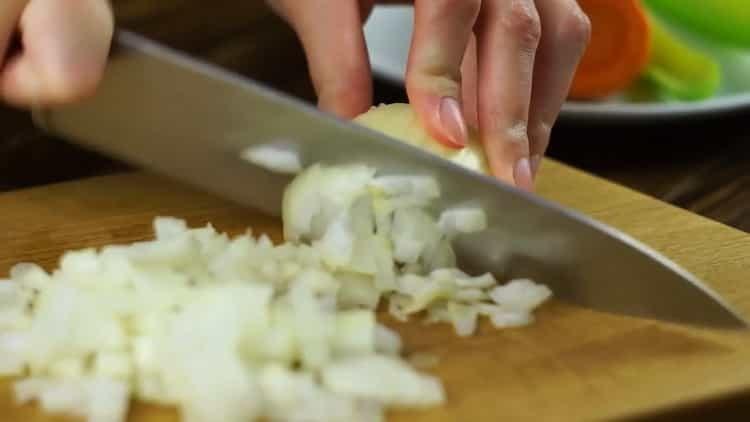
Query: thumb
65	47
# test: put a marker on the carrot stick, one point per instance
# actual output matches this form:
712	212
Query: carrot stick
619	49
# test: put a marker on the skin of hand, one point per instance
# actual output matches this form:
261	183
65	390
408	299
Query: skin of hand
501	66
52	51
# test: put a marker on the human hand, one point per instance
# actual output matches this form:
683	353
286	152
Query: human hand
502	66
63	49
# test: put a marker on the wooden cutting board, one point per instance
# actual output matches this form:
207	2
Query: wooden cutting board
572	364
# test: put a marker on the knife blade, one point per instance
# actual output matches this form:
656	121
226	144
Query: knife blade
189	120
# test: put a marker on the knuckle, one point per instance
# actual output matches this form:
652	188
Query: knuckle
540	134
517	133
522	20
508	125
440	81
575	28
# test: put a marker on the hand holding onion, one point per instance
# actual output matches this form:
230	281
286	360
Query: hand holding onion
502	66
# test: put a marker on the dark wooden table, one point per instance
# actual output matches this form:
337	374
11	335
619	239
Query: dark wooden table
700	165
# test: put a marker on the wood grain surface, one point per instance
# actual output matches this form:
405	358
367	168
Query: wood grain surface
571	365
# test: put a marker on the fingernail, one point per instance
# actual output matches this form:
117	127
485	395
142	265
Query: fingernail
453	122
536	161
522	174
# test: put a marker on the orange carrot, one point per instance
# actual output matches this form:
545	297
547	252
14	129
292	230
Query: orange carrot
619	49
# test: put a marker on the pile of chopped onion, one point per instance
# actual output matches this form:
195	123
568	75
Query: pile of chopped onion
238	329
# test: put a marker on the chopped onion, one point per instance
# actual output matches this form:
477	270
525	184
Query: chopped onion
520	295
239	329
354	333
462	220
276	158
464	318
384	379
12	352
386	340
418	187
96	399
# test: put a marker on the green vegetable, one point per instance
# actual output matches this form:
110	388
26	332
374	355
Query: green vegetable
723	21
678	70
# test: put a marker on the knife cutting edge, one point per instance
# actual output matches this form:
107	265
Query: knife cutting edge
189	120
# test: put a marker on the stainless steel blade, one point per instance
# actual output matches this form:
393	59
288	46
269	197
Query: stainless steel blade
189	120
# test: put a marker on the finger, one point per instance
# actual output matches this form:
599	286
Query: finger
10	14
331	34
442	29
65	46
469	83
566	33
507	37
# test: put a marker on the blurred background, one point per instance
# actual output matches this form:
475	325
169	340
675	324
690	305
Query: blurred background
679	132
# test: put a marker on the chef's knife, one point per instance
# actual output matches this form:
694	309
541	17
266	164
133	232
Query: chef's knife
191	121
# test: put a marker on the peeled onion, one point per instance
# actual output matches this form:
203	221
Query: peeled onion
401	122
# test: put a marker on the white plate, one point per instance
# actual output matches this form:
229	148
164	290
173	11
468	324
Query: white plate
388	35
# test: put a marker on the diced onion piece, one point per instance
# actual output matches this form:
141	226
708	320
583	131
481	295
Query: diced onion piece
294	396
354	333
64	396
439	255
364	258
386	340
464	318
396	305
10	294
421	187
29	389
313	327
70	368
149	387
273	157
357	291
212	381
520	295
279	342
115	365
96	399
385	379
337	243
107	400
438	313
169	227
480	282
144	354
318	194
429	292
30	275
81	266
503	317
385	274
51	329
470	295
14	301
459	220
12	353
409	235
